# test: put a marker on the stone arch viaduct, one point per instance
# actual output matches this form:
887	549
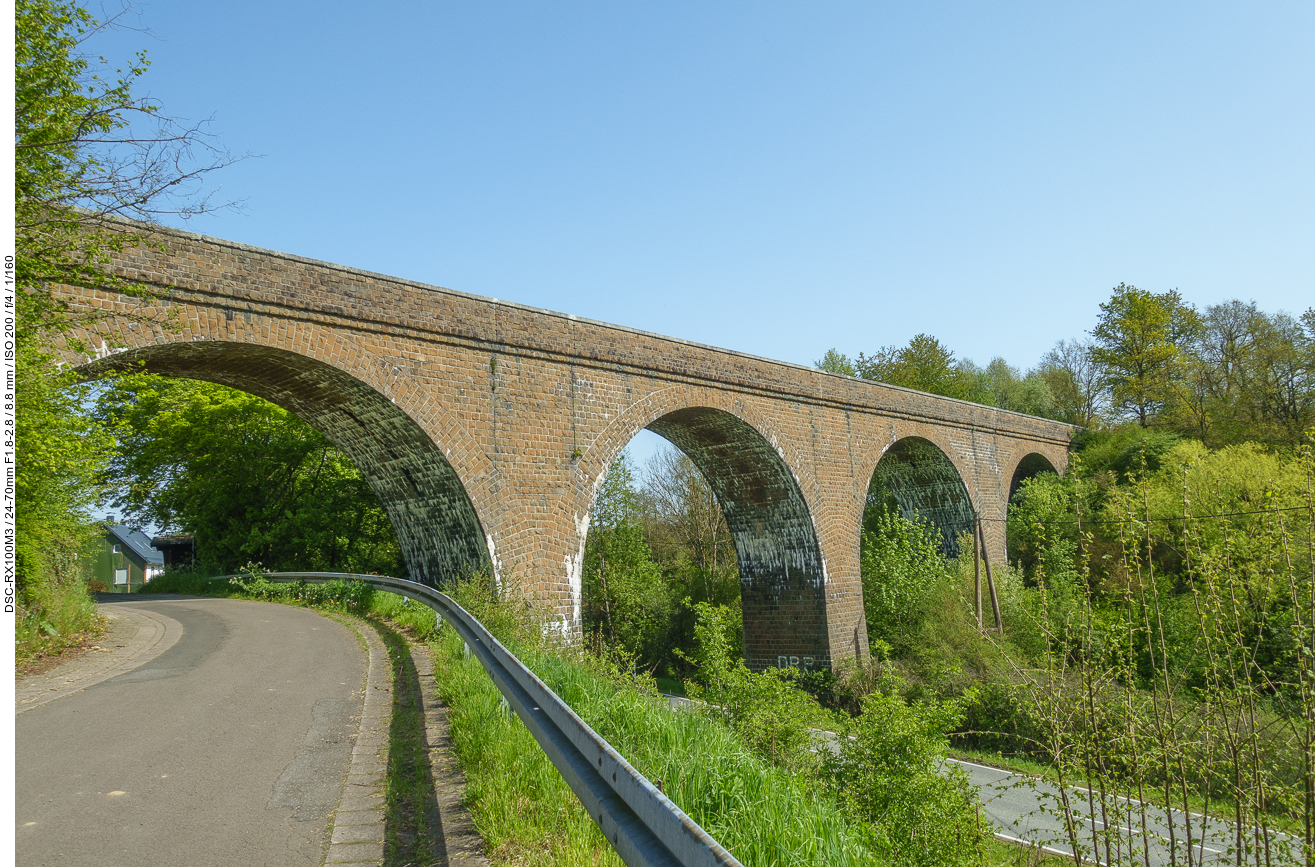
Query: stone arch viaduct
486	427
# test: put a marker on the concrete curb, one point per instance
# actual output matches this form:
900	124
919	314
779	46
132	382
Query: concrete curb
156	633
358	823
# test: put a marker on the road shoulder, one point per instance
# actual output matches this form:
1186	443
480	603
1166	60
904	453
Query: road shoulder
134	637
357	826
452	827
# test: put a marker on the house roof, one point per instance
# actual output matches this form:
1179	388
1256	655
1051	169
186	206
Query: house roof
138	541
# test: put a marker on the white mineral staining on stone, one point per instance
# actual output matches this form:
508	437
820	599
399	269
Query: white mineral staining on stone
575	568
495	563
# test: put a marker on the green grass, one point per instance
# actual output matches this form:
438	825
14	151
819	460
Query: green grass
670	685
519	803
419	622
528	815
57	616
1000	853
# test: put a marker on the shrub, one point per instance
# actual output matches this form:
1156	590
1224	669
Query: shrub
186	581
773	716
901	561
889	771
57	610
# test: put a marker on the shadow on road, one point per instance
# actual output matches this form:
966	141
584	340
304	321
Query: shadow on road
413	831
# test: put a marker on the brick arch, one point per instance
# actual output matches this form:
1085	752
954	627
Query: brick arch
782	574
1029	465
920	470
608	445
382	419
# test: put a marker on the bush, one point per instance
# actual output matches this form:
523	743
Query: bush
889	771
55	613
186	581
1040	531
901	561
352	595
349	595
770	713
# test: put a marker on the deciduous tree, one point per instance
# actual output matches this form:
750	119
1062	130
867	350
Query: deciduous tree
249	480
1141	341
85	151
625	596
925	364
836	361
1075	383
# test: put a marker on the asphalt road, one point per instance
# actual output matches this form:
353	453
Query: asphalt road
231	747
1027	809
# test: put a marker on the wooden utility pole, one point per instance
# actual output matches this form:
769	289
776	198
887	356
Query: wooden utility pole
977	577
990	582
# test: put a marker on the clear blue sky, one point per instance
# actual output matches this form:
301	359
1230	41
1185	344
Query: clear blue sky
772	178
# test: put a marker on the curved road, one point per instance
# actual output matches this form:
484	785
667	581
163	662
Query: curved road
230	747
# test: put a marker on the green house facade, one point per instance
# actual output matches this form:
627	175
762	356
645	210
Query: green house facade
126	560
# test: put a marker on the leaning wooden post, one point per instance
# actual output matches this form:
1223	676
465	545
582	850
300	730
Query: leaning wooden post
977	578
990	582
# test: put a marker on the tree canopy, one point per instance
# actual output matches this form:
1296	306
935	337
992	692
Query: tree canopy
81	157
1141	342
1229	374
87	151
249	480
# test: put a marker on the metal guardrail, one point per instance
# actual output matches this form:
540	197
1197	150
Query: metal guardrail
641	823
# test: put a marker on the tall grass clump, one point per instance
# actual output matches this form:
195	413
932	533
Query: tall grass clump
420	622
762	813
56	611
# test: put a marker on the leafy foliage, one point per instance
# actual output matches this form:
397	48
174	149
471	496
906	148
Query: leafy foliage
62	456
86	151
248	479
654	549
624	592
900	562
835	361
925	364
1181	664
77	162
1227	374
768	711
351	595
928	365
889	771
1141	341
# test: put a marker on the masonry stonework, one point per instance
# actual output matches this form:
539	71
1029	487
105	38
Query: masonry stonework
486	427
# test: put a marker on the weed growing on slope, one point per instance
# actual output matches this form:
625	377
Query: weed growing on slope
763	814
